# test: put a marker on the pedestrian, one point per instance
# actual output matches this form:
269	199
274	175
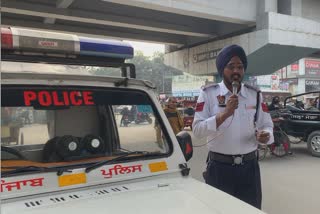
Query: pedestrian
312	105
275	104
125	114
234	119
173	115
318	103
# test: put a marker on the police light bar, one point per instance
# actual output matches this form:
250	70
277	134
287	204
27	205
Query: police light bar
26	41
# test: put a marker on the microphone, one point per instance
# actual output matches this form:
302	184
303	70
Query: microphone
235	85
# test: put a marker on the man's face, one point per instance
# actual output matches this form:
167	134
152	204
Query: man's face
312	102
233	71
172	103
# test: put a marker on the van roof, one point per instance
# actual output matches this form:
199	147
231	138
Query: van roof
72	77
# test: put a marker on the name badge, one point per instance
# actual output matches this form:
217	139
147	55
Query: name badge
221	100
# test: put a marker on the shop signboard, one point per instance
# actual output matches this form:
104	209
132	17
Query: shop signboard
312	67
312	85
264	81
295	66
204	56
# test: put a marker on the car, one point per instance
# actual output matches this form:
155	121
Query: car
303	121
75	156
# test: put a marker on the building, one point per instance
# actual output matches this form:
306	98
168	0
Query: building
188	85
298	77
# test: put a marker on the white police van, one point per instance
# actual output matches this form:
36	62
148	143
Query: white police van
74	155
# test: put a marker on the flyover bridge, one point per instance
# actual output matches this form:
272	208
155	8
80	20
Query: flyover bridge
274	33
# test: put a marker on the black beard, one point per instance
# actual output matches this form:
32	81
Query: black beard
228	81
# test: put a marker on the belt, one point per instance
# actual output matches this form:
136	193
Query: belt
233	159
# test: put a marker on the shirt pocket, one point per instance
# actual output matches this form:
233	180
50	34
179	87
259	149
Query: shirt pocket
247	117
250	111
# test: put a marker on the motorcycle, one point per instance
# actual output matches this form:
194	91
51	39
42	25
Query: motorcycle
125	120
143	117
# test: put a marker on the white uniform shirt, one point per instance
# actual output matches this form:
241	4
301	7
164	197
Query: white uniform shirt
235	135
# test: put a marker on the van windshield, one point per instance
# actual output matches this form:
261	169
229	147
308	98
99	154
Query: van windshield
52	126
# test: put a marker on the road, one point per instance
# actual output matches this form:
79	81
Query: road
289	185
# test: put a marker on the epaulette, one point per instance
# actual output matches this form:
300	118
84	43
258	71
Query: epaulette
205	87
251	87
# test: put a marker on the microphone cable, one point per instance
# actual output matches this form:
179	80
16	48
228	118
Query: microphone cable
235	85
222	132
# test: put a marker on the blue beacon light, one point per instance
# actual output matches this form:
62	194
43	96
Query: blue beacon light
107	48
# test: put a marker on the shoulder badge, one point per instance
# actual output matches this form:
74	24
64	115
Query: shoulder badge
251	87
199	106
205	87
264	107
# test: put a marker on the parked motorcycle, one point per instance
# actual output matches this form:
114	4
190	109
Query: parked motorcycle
143	117
125	121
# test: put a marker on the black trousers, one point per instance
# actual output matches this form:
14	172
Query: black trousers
240	181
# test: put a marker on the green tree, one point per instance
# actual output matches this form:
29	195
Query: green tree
147	68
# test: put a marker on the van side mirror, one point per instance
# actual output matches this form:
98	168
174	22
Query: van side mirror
185	143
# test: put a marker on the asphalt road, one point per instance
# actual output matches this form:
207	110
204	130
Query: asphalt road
289	185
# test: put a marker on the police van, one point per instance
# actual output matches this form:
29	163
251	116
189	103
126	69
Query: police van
63	148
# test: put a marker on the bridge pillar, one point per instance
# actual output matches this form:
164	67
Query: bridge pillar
263	7
281	40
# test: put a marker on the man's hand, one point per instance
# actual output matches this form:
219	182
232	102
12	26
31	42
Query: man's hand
263	136
232	105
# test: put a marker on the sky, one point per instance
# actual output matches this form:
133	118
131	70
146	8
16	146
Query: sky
147	48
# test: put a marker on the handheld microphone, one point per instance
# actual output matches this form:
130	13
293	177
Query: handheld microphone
235	85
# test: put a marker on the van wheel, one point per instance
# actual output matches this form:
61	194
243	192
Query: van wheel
314	143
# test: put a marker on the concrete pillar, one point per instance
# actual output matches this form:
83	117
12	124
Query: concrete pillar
296	8
302	67
290	7
263	7
284	7
170	48
301	81
267	6
301	85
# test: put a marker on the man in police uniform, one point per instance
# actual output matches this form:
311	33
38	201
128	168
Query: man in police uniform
232	116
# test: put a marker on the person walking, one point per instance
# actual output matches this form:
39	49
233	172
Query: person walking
125	114
234	119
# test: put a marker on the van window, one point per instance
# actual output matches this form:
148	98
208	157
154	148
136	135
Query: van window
61	126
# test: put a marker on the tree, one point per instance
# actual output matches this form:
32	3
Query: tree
147	68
